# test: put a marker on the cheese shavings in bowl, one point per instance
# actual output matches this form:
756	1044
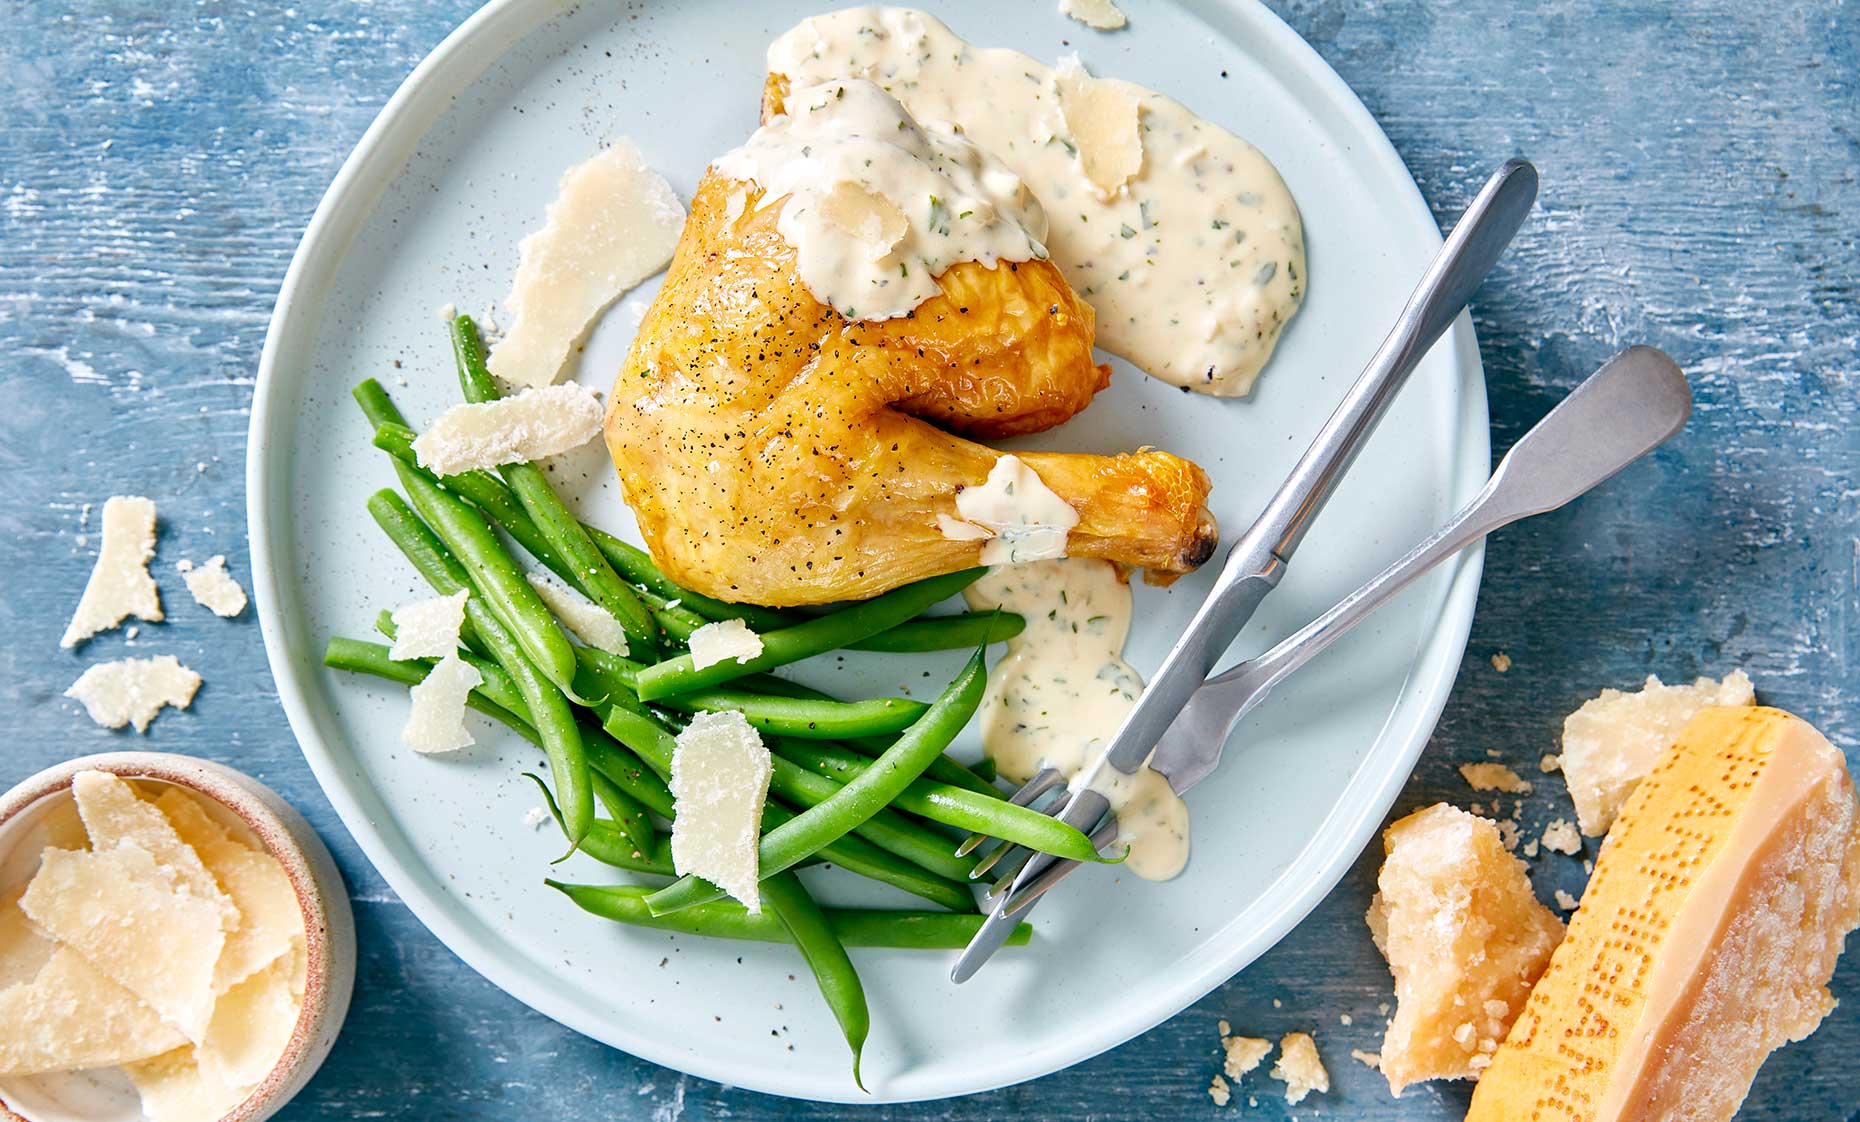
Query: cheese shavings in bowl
119	585
614	223
720	779
532	425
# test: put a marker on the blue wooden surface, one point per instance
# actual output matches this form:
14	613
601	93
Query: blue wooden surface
158	162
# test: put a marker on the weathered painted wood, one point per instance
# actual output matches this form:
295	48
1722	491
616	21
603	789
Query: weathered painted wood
157	164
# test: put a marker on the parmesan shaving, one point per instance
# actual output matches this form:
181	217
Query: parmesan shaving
119	585
114	907
1101	119
131	691
270	917
251	1025
175	1087
70	1017
530	426
867	216
614	223
591	623
1099	15
212	587
720	779
1028	519
429	628
436	720
725	639
114	815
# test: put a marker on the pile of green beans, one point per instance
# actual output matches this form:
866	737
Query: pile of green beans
861	784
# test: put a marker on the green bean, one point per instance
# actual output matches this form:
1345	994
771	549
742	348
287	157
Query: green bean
560	528
858	800
727	919
494	576
945	633
816	636
497	697
375	403
637	566
626	811
813	720
653	744
548	709
943	769
826	956
952	806
609	844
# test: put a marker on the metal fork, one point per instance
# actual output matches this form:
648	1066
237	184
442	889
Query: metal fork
1632	405
1257	562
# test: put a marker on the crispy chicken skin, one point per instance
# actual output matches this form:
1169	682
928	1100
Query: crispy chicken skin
777	453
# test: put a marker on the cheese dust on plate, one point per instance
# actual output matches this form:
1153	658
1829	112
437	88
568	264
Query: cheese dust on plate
119	585
531	425
614	223
720	780
1063	688
1186	242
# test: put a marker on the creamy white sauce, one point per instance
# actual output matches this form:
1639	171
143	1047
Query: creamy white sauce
1018	516
1193	265
875	204
1062	690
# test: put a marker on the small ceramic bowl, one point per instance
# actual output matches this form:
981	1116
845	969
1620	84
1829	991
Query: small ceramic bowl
40	811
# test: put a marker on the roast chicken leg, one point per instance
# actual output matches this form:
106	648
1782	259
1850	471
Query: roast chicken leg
777	453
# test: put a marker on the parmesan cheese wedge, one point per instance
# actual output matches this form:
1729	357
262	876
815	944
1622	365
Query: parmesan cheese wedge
176	1087
131	691
591	623
212	587
723	640
1614	739
429	628
270	918
436	717
119	585
1465	937
1101	119
114	814
70	1017
614	223
116	907
1705	939
720	779
530	426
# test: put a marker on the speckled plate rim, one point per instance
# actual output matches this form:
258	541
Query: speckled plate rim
464	55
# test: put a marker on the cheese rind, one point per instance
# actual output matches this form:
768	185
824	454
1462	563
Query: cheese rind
1465	938
119	585
1614	739
614	223
1705	939
720	779
131	691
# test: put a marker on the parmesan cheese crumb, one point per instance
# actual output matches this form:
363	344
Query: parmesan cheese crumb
1300	1068
725	639
1244	1053
1217	1090
119	585
1565	901
591	623
1501	662
1550	765
429	628
212	587
1494	777
614	223
1099	15
436	718
536	817
1370	1060
131	691
1561	836
530	426
720	779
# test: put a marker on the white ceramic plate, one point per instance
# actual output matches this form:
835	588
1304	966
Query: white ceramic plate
428	211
